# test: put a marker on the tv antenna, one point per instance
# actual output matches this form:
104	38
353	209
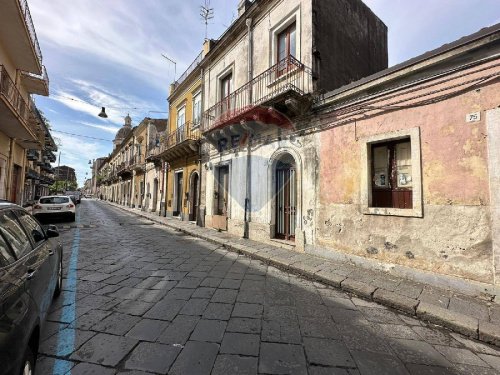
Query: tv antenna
206	14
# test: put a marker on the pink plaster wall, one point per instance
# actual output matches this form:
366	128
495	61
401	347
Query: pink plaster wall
454	165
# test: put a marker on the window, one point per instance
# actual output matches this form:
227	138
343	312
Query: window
197	109
286	48
391	174
181	117
14	234
226	85
33	229
54	200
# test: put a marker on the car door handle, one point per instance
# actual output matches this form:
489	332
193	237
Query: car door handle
51	252
30	275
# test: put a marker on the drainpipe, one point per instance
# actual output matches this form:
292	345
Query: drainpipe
248	217
199	221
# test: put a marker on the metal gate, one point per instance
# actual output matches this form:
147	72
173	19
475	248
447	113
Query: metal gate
286	197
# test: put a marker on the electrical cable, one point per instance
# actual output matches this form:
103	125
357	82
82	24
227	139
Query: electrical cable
80	135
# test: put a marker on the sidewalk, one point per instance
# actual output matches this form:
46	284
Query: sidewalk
471	316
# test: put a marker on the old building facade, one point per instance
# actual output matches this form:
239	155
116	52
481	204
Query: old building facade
124	177
22	74
407	164
179	147
259	79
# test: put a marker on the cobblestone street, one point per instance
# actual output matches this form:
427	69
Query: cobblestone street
140	298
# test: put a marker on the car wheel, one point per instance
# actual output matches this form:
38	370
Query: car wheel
58	289
28	362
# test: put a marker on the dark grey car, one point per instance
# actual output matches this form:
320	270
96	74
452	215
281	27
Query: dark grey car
30	276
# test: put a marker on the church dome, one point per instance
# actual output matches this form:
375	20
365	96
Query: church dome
123	132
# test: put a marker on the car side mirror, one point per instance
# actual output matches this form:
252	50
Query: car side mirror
51	233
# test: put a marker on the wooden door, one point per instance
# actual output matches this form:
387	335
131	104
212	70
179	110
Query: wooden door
178	194
222	191
194	197
286	197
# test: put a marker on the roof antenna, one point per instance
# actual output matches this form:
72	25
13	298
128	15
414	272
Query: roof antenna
206	14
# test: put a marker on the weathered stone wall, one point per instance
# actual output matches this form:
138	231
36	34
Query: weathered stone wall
454	234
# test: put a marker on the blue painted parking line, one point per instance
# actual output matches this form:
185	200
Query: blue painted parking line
66	337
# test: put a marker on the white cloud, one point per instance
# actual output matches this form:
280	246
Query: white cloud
108	129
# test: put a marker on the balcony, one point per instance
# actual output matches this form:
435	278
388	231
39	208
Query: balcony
180	143
138	164
51	157
33	155
16	111
188	71
18	36
123	170
36	84
31	174
282	87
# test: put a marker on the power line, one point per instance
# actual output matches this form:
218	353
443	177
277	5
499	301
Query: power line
80	135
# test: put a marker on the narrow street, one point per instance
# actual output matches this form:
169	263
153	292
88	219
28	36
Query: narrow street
140	298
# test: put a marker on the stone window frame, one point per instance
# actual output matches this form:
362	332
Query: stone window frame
366	173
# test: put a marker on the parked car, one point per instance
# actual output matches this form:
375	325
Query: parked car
73	199
76	194
30	277
55	206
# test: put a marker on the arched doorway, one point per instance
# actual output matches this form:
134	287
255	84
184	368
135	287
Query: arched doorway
193	197
285	197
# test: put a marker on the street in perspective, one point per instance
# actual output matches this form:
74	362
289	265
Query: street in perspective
261	187
144	298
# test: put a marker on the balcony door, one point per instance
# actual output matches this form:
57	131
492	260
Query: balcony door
226	85
286	48
181	122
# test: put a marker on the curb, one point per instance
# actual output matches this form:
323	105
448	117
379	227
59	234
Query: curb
467	325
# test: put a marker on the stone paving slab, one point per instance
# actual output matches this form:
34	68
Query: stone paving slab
473	316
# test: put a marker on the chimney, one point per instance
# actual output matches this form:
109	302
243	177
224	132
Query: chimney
243	6
207	46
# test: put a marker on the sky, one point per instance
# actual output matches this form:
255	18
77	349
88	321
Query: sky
108	53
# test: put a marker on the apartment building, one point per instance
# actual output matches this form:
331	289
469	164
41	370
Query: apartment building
179	147
259	80
39	174
22	74
155	167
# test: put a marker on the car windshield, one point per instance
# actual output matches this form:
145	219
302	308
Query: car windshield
54	200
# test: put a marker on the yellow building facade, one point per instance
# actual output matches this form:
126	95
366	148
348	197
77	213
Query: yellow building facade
179	146
22	75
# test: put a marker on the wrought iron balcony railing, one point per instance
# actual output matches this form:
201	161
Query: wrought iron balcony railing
287	75
31	29
188	71
186	132
33	155
12	95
